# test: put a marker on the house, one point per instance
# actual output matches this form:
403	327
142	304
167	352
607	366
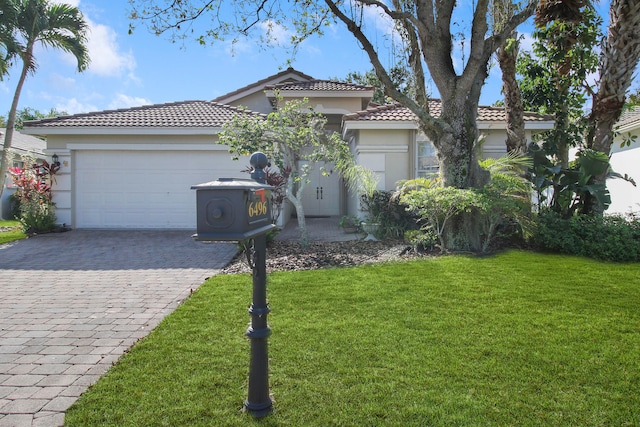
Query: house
22	146
625	197
133	168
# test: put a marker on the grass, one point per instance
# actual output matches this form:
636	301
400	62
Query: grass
13	234
515	339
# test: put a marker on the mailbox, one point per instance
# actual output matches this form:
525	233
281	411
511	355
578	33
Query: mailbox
232	209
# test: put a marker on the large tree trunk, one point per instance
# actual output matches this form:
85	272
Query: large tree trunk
618	61
507	55
427	33
458	153
458	146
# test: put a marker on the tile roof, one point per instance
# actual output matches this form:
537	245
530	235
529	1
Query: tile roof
397	112
186	114
629	117
26	143
320	86
260	84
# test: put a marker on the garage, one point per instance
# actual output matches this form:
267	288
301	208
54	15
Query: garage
144	189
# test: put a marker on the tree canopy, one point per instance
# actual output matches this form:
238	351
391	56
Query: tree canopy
426	32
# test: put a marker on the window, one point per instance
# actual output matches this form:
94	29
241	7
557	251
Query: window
427	160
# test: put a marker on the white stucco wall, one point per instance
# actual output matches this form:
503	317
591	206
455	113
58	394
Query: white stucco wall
66	147
624	196
387	153
254	102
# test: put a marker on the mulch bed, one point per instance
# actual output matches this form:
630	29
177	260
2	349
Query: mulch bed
289	256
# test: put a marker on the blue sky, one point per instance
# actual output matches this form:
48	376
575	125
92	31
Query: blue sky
132	70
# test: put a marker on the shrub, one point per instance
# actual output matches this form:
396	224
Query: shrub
438	207
606	238
37	214
505	209
389	212
14	207
500	209
33	195
421	240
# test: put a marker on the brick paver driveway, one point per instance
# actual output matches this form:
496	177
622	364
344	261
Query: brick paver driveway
72	303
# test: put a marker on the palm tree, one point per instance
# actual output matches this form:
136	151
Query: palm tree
618	60
60	26
8	14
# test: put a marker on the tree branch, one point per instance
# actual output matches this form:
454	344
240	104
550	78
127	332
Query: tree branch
385	79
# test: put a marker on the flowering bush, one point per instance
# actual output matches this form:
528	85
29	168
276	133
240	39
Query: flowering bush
33	195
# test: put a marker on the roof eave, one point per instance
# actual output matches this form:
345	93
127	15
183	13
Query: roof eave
350	125
629	126
103	130
271	93
528	124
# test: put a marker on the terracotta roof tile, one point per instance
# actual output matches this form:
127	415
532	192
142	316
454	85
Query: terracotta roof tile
397	112
320	86
196	114
260	84
629	117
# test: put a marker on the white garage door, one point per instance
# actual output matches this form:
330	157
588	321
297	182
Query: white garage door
144	189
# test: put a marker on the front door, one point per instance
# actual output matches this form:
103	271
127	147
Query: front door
321	196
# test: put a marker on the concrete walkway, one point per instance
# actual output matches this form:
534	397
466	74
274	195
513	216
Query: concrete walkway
72	303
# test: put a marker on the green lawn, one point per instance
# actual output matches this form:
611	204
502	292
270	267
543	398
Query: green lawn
13	234
515	339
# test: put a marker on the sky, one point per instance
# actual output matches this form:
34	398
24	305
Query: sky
142	68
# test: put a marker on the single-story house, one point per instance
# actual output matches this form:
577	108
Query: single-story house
133	168
22	146
625	197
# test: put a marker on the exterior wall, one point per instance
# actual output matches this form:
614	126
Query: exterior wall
387	154
391	155
494	145
255	102
66	146
332	105
625	197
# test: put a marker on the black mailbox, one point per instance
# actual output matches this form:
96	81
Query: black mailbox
232	209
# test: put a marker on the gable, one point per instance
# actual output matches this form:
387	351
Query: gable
252	96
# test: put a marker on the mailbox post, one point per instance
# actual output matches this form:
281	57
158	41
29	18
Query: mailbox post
234	210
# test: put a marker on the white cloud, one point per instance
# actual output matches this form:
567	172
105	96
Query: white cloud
59	82
276	33
240	46
381	21
73	106
125	101
106	57
526	42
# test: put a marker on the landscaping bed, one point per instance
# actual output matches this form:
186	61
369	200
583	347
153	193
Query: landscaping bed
290	255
